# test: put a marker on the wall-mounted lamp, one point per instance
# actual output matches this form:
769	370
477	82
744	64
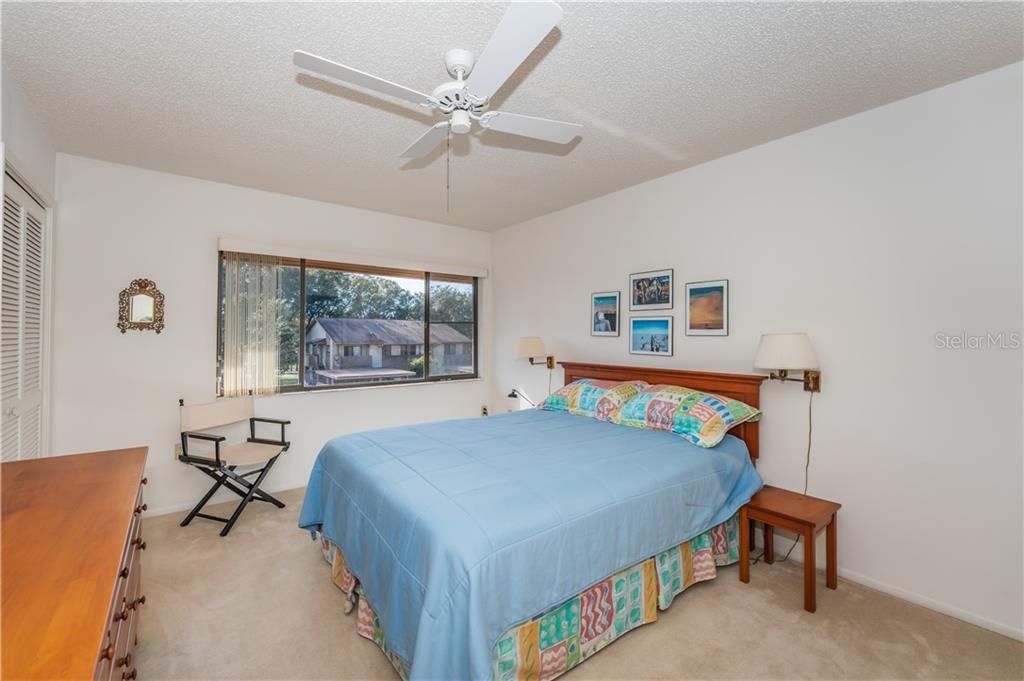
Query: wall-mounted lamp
532	347
516	393
781	353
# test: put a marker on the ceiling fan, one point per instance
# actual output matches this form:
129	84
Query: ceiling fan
466	99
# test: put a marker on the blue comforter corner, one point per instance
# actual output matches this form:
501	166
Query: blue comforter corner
464	528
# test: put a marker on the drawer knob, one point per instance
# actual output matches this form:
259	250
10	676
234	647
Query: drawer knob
140	509
138	542
124	661
125	676
124	573
145	481
108	653
141	600
123	615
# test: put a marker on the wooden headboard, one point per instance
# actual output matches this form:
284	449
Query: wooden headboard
743	387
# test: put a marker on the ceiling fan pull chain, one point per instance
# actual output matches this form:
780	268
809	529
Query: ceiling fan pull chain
448	177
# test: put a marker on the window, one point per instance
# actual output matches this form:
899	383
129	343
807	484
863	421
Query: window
453	326
352	325
289	320
258	324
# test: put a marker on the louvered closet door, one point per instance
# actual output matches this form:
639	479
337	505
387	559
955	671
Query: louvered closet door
21	324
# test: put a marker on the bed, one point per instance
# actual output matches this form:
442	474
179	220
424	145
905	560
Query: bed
515	546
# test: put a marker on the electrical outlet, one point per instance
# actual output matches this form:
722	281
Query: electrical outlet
483	410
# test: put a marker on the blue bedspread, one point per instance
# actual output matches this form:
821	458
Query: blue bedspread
464	528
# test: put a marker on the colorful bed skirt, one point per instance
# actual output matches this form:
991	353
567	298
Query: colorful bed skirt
559	639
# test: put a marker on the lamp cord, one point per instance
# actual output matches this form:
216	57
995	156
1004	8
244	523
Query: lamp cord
807	465
518	394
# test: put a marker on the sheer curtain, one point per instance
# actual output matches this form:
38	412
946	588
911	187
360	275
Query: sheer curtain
251	337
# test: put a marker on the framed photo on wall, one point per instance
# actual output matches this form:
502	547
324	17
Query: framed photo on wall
604	313
650	336
707	308
651	290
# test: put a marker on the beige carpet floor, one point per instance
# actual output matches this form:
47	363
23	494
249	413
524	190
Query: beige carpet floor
259	604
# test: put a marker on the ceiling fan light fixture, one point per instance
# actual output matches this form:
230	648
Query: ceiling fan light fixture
460	122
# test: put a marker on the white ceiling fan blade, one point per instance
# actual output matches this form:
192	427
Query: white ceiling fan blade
427	141
518	34
336	71
559	132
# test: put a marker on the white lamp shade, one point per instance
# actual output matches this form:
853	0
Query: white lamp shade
785	351
530	346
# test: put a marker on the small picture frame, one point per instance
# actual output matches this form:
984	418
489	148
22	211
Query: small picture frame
650	336
707	308
140	307
651	290
604	313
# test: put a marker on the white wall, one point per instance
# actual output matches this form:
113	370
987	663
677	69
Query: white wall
117	223
872	234
25	139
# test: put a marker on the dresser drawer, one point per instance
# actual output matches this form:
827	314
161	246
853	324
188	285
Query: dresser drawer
124	663
129	561
134	598
106	662
124	657
123	618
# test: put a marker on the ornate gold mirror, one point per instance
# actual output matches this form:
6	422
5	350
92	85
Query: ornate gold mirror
141	307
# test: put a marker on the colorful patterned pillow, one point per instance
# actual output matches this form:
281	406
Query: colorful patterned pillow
701	418
601	400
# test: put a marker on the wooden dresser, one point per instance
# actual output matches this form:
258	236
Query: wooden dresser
70	586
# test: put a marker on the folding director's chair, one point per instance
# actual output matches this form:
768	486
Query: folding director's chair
221	467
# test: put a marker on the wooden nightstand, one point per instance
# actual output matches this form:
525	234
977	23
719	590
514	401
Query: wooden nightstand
798	513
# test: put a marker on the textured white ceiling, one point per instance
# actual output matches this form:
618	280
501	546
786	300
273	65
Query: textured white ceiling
209	90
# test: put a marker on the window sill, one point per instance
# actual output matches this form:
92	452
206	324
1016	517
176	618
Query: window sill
382	386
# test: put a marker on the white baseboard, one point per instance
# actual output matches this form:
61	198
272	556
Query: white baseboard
932	604
915	598
167	510
220	497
